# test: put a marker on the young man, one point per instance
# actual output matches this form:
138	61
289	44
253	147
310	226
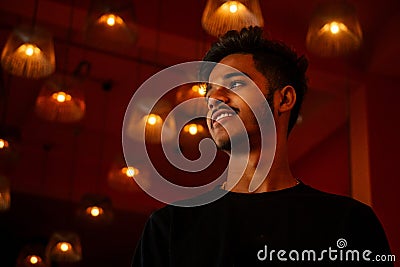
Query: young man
279	221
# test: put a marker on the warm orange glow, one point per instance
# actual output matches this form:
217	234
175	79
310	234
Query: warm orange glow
334	27
193	128
33	259
130	171
111	20
3	144
64	246
153	119
61	97
200	89
233	8
94	211
29	50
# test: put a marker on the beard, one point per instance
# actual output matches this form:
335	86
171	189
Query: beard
226	144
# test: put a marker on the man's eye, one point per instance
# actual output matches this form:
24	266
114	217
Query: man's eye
235	84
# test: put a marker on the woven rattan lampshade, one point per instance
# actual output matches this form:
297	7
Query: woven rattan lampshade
32	255
195	93
110	24
148	121
334	30
64	247
123	178
61	100
29	53
220	16
95	208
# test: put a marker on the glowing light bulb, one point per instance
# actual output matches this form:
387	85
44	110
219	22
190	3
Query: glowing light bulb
202	89
61	97
29	50
130	171
153	119
3	144
334	27
110	20
233	7
94	211
64	246
33	259
193	129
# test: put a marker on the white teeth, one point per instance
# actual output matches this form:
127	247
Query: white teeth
223	115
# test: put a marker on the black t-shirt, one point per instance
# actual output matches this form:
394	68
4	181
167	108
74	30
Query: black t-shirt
297	226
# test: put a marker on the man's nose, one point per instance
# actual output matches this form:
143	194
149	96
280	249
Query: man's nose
217	96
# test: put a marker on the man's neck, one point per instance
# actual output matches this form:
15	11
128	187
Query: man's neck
278	177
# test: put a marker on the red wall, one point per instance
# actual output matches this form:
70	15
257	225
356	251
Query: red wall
326	167
383	97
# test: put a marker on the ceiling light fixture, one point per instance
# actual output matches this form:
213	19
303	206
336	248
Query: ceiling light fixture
95	208
148	121
334	30
123	177
29	51
61	99
110	24
221	16
32	255
64	247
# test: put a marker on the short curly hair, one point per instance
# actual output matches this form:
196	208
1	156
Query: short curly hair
279	63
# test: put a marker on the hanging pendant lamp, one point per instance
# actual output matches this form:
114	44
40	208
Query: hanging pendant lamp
64	247
29	51
110	24
151	122
95	208
221	16
32	255
61	99
334	30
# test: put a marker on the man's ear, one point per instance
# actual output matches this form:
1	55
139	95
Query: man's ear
287	99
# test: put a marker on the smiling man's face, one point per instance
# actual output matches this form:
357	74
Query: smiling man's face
229	112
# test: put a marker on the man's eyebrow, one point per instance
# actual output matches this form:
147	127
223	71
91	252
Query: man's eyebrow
235	74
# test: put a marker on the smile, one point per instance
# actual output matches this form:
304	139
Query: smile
220	115
223	115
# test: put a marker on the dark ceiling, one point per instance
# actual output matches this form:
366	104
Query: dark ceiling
56	164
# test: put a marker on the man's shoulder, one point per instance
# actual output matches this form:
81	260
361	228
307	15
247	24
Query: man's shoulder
302	195
333	201
327	197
